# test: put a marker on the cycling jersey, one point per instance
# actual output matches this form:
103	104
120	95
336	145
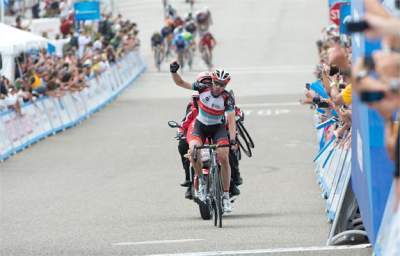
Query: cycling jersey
179	42
156	39
212	109
165	31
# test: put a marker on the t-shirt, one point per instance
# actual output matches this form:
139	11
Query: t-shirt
212	109
346	94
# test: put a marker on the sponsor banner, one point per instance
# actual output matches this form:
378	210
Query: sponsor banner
47	116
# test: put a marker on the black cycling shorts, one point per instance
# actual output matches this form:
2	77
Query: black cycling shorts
217	133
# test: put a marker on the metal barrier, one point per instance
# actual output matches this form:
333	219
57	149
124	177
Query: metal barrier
47	116
333	170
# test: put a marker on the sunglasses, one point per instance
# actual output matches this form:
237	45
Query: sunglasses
216	83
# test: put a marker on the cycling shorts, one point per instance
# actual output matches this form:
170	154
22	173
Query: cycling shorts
217	133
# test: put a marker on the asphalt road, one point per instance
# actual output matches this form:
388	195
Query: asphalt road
110	185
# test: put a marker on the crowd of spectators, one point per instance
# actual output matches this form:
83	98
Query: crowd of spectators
38	8
375	79
76	58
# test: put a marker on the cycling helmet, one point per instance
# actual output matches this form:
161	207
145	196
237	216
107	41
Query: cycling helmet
204	78
221	76
187	36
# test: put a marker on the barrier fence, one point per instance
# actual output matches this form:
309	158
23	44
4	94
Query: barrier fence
49	115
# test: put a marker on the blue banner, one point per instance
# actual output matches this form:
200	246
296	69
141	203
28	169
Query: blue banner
345	16
87	10
371	168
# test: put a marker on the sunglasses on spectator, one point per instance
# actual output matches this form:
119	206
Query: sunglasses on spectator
216	83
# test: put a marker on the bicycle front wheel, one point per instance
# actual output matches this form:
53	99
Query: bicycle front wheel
218	197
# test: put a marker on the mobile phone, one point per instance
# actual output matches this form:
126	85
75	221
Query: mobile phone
369	63
307	86
371	96
357	26
333	70
397	4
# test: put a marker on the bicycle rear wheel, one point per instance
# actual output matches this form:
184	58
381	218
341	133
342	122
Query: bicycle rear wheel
245	133
244	146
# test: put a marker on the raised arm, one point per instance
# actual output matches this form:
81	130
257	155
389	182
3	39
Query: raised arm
174	67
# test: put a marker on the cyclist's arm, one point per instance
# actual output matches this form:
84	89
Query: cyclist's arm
180	82
231	124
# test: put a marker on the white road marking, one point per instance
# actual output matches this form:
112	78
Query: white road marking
158	242
269	251
266	112
269	104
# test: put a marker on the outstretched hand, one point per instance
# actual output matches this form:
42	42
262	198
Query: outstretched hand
174	67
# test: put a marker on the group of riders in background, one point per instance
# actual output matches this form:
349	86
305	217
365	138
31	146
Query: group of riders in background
180	37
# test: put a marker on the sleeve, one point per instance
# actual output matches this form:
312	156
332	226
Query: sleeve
196	86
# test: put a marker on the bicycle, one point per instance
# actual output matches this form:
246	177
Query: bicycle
213	184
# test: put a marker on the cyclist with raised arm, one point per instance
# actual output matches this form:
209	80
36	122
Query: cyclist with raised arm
213	103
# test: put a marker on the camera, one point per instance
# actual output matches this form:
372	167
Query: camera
357	26
333	70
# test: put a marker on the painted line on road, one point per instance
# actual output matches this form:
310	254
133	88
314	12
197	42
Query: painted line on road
269	104
269	251
158	242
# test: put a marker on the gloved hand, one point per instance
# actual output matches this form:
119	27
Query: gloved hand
173	67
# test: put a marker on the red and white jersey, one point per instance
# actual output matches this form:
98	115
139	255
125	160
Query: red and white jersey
212	109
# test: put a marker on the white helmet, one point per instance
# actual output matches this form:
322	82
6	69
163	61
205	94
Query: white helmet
221	76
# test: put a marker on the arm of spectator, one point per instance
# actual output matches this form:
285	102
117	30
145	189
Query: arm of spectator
325	78
380	26
375	7
390	138
387	65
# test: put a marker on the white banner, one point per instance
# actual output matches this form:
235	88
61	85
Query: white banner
47	116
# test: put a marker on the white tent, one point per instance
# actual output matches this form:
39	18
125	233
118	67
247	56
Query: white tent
14	41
